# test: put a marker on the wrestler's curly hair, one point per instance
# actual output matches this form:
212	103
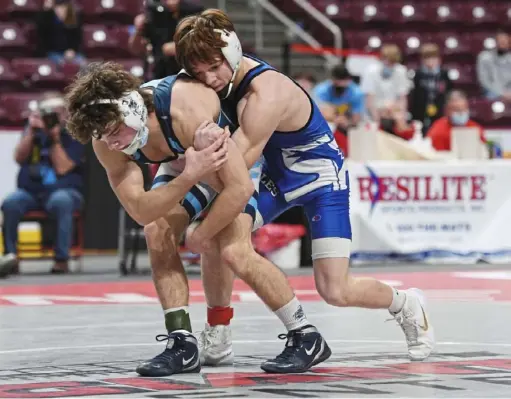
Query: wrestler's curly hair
100	80
196	41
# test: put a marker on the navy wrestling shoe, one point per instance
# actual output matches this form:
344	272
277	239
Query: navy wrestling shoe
305	348
180	356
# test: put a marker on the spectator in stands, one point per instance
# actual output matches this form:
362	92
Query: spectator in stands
50	179
431	84
156	27
59	32
494	69
457	114
307	81
386	84
341	102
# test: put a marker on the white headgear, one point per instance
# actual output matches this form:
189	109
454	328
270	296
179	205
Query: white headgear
232	53
134	113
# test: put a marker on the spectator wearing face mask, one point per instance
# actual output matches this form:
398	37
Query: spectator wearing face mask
341	102
431	84
494	69
457	114
386	83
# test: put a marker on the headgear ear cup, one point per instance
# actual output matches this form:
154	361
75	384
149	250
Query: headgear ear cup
134	112
232	53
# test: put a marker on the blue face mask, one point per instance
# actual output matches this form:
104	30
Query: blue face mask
459	118
386	72
433	71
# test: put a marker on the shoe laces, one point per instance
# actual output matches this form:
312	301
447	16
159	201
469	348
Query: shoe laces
172	350
409	325
210	335
293	344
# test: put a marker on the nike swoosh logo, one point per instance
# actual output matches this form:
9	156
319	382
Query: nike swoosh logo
425	327
186	362
309	351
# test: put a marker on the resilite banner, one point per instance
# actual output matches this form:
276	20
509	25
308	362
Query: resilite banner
456	211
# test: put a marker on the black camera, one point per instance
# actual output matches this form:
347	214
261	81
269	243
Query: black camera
50	118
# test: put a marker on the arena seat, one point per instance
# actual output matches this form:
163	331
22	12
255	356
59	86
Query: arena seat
100	41
18	106
479	13
40	73
3	116
12	40
4	13
364	40
103	11
482	41
407	12
453	44
122	34
408	42
338	11
503	11
134	66
22	9
9	78
461	73
369	11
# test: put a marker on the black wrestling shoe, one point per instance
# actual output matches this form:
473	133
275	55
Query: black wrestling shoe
180	356
305	348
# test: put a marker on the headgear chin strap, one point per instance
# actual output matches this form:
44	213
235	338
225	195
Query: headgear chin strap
134	113
232	53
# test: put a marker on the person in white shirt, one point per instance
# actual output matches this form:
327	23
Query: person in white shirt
386	84
494	69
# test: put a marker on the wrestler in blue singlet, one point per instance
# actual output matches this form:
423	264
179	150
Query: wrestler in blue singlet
303	167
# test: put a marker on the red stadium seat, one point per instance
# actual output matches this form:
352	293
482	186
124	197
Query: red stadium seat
369	11
40	73
364	40
12	40
503	11
134	66
3	116
480	13
9	79
122	35
444	12
99	41
101	11
489	112
23	9
408	42
18	106
463	76
407	12
482	41
452	43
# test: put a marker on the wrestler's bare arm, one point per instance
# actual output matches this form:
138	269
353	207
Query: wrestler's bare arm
127	181
259	114
196	105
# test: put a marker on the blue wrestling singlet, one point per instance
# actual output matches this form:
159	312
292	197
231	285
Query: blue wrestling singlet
201	195
303	168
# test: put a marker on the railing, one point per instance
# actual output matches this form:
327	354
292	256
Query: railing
292	26
323	19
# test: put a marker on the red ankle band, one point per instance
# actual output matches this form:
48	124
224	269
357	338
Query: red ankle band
220	315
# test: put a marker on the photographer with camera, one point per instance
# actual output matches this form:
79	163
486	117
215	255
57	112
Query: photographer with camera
50	179
155	29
